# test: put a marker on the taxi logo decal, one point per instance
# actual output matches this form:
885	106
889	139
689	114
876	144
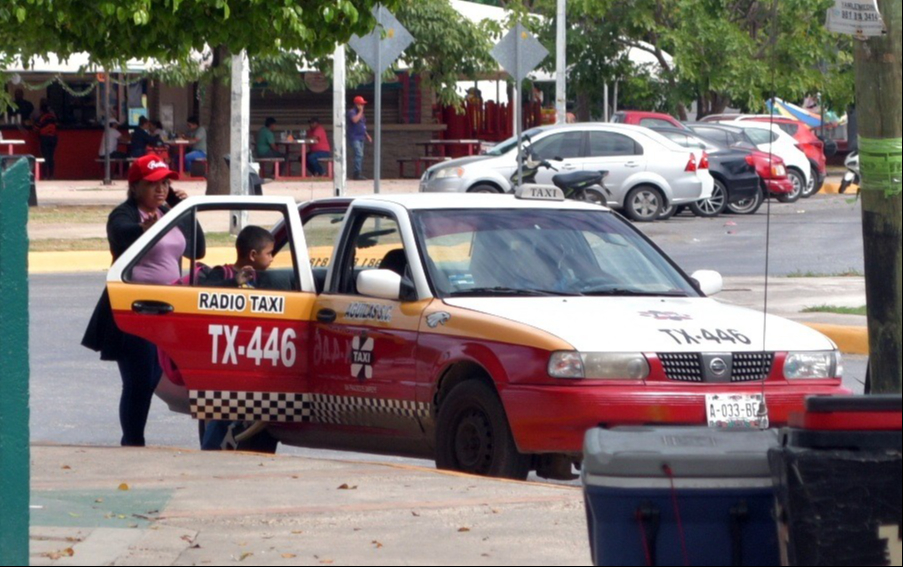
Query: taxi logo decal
666	316
436	319
362	357
369	312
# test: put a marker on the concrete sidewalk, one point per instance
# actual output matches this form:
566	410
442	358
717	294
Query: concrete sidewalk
96	506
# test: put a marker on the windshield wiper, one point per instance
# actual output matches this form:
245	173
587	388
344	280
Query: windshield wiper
490	291
618	292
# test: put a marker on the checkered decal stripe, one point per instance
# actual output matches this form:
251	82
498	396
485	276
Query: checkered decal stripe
299	408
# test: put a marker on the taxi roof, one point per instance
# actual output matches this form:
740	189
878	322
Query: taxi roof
457	201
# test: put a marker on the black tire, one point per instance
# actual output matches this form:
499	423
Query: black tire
749	206
644	204
813	187
484	189
473	436
799	186
714	205
595	197
669	213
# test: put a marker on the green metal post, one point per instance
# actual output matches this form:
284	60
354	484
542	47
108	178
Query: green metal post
15	182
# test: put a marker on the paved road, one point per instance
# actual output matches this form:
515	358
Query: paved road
821	235
75	396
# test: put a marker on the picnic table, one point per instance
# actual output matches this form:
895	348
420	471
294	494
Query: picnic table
10	144
289	145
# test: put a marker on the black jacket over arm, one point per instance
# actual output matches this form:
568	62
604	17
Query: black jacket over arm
123	230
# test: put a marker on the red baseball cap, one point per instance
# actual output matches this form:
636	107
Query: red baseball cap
150	168
359	100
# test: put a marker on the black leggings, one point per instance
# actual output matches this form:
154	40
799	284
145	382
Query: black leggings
140	370
48	149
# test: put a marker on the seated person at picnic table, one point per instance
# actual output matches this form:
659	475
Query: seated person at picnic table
110	142
266	141
319	149
142	139
197	136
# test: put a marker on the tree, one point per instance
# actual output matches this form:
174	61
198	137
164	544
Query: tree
728	52
172	31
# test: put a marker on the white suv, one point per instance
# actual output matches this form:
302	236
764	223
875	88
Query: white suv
647	173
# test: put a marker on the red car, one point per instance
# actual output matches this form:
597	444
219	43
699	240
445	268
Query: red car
806	139
647	119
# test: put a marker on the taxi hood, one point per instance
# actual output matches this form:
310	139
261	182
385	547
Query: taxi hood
651	325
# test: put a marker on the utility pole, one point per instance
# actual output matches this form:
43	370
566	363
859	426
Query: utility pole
240	131
878	100
340	142
561	94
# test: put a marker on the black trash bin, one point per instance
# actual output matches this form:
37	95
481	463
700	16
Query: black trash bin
838	482
680	496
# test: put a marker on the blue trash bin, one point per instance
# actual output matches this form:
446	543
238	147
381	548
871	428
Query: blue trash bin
680	496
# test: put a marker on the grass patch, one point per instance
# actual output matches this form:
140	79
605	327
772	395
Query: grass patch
861	311
851	273
69	215
214	240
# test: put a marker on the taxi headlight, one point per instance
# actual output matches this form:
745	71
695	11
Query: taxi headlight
598	366
450	172
813	365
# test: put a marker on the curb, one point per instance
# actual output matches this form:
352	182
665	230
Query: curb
830	188
850	340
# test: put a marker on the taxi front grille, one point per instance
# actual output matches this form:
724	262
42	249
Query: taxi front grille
683	367
752	366
691	367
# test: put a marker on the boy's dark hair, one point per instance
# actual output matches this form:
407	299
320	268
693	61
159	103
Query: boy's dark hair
269	122
253	238
193	120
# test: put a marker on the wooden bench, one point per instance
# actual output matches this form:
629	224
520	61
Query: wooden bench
277	163
191	175
38	162
330	167
420	164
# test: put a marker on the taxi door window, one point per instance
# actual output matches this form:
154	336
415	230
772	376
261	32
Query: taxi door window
374	243
322	232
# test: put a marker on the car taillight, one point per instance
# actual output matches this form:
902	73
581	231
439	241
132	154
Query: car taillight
691	166
704	164
751	160
778	171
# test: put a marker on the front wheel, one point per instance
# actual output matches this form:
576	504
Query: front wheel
813	186
595	197
748	206
484	190
799	186
473	436
714	205
643	204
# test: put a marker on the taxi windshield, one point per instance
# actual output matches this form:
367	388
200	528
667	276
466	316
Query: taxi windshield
536	252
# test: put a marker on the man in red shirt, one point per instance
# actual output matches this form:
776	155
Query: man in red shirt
318	150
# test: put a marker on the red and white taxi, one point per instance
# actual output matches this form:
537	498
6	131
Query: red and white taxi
487	332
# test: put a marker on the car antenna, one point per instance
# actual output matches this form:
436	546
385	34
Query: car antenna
764	421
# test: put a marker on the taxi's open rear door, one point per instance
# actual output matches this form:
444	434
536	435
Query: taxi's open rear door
241	352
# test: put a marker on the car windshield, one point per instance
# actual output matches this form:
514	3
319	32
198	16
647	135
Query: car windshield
536	252
511	143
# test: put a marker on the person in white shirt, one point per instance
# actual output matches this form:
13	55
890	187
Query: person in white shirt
110	142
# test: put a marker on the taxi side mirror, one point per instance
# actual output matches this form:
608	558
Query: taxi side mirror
385	284
709	282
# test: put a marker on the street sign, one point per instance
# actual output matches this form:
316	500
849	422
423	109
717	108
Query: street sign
378	52
859	18
519	52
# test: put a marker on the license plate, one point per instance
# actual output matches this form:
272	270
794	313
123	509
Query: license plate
735	411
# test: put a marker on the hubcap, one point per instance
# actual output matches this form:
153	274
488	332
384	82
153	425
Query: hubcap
473	442
797	184
645	204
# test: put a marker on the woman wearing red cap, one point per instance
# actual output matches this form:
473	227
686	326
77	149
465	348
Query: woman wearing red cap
149	198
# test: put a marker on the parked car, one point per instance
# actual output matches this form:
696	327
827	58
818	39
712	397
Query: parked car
771	139
771	168
646	171
814	148
647	119
736	179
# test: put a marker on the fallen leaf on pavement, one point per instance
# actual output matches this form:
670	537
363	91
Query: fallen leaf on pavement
66	468
463	530
297	532
124	487
347	487
327	562
245	556
377	544
99	501
289	556
415	514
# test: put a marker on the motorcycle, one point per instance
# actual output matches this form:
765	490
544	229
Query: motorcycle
586	186
852	176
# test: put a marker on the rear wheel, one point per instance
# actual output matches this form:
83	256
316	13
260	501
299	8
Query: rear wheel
714	205
484	189
748	206
668	213
643	204
595	197
799	186
813	186
473	436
